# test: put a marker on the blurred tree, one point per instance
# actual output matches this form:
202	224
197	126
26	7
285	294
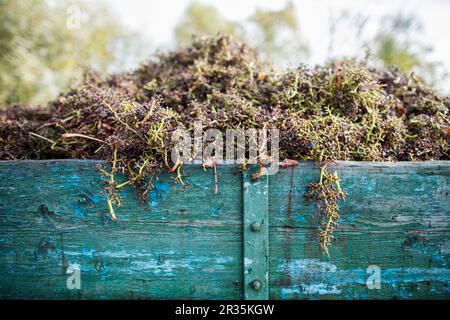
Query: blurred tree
279	34
275	33
349	24
400	42
393	43
45	44
202	19
397	41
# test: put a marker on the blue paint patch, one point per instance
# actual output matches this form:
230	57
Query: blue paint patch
158	192
349	217
164	187
98	198
216	210
8	252
79	212
87	252
72	181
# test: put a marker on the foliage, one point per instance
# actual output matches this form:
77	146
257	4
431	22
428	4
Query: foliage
267	30
278	34
393	44
43	44
398	41
200	20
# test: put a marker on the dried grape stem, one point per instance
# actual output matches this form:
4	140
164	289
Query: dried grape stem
79	135
179	174
327	193
111	189
111	209
41	137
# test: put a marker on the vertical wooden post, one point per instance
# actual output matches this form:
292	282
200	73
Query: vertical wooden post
256	237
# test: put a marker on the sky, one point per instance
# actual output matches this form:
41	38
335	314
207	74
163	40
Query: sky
157	19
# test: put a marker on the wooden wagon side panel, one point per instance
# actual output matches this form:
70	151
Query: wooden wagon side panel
396	218
189	244
178	245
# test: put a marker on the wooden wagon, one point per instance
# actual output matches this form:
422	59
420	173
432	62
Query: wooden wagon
251	240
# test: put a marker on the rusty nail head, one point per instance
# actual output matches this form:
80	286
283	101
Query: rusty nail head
255	226
256	284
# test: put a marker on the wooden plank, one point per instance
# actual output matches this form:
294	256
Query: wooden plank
396	216
185	245
188	245
255	237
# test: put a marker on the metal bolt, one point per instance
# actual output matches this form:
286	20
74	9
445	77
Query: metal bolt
256	284
255	226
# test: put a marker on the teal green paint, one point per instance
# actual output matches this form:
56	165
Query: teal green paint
385	221
189	244
255	237
176	249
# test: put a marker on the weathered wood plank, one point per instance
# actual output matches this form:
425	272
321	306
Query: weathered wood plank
179	245
189	244
396	216
256	237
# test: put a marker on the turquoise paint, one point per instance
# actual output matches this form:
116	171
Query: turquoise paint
158	193
255	239
189	244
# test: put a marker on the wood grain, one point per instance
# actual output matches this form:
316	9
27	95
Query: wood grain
396	216
255	238
189	245
178	245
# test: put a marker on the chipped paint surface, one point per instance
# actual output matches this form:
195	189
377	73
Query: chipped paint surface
189	245
312	289
247	262
301	266
332	282
178	245
387	220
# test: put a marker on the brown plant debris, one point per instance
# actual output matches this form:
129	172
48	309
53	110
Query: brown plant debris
340	111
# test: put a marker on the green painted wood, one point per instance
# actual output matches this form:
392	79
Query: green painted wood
189	245
255	236
396	216
185	245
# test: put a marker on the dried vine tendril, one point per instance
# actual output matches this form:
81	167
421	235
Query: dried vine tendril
327	193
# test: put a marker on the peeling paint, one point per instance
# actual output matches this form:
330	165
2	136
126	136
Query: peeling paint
312	289
247	262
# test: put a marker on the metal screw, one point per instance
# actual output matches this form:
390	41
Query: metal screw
255	226
256	284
